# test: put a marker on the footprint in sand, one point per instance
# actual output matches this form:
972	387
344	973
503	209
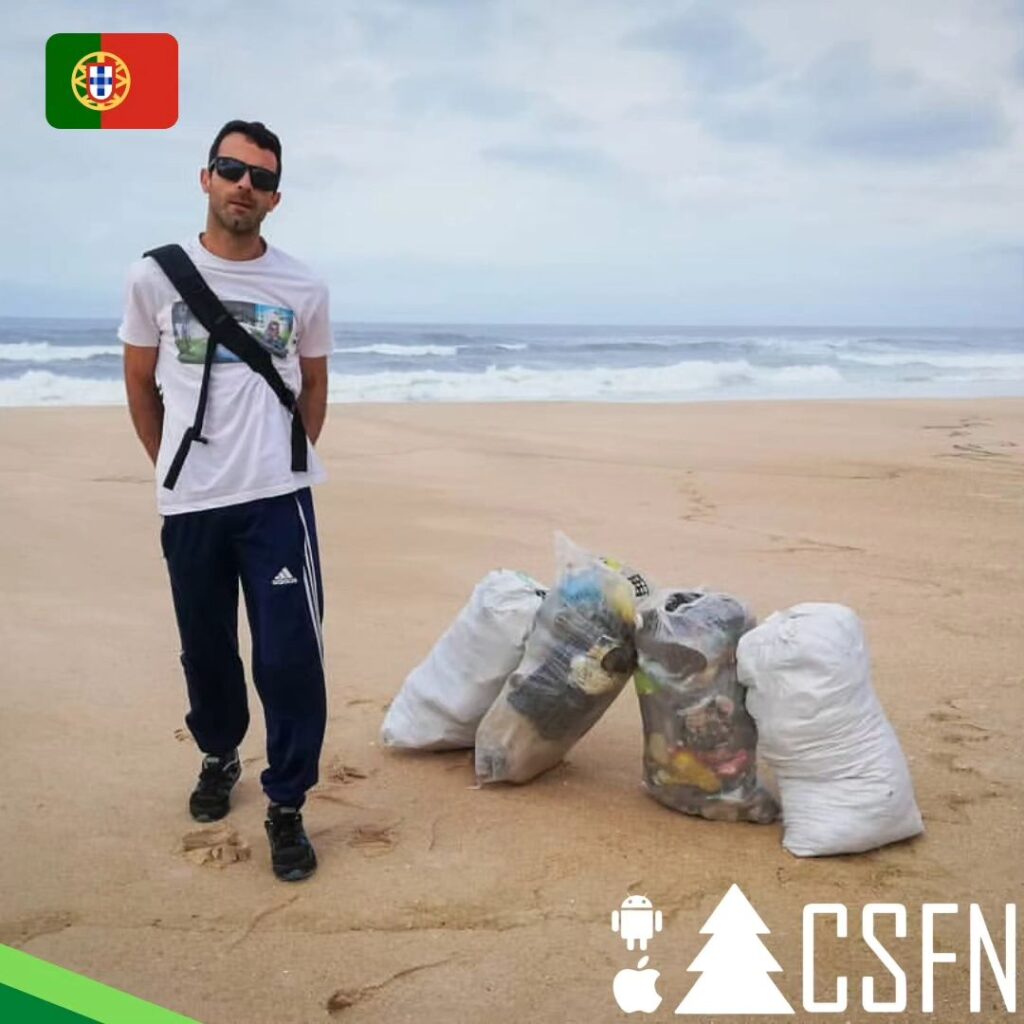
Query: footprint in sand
215	847
958	429
700	506
962	729
970	450
338	771
972	785
332	796
338	774
967	449
373	839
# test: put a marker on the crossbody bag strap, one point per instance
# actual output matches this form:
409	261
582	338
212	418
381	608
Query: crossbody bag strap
223	329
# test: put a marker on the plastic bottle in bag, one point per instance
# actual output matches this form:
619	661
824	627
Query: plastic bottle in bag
578	658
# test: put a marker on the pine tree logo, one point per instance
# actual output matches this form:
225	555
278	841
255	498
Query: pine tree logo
734	964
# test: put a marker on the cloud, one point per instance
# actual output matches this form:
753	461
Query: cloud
465	94
844	104
412	28
713	49
922	130
721	159
577	161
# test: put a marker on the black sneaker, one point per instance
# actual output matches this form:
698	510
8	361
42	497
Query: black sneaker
291	852
211	799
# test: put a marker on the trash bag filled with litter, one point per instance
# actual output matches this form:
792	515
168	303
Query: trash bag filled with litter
844	780
578	658
700	745
444	698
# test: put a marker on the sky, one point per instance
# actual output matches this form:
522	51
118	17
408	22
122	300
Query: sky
558	161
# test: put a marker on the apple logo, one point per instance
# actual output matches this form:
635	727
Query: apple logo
634	991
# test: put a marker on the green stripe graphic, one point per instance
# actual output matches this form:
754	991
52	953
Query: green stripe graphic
19	1008
62	991
63	52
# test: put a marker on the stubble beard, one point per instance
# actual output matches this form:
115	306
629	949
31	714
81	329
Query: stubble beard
238	223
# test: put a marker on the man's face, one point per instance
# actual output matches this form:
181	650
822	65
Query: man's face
238	206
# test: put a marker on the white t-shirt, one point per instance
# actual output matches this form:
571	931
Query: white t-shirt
283	305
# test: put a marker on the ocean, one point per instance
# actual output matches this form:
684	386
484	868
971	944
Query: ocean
78	362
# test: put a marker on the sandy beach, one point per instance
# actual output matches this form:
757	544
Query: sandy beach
438	901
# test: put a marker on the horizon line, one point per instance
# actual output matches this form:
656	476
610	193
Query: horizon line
591	323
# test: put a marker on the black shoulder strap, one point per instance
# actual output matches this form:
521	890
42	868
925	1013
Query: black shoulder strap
224	330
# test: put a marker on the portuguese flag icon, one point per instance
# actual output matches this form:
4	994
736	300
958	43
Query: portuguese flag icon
112	80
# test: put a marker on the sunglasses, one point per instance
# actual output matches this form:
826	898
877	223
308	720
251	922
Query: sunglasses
234	170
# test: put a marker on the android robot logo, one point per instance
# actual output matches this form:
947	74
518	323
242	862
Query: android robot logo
636	921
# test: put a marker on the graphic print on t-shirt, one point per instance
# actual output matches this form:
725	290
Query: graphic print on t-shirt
271	326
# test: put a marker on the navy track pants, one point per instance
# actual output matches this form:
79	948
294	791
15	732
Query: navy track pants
270	545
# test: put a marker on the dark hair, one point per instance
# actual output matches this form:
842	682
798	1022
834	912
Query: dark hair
254	131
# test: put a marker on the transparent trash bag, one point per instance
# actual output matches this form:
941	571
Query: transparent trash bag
578	658
700	745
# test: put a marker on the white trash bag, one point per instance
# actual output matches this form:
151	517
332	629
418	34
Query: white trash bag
844	782
443	699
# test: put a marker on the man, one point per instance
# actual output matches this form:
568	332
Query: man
239	507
